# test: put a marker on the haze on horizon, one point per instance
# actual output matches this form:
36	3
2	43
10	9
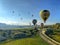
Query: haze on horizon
11	11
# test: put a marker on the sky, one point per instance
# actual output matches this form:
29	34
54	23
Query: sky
19	12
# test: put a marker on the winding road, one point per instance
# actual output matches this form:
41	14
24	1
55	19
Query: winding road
47	39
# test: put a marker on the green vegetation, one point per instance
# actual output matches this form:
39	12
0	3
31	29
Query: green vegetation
56	37
21	29
54	34
36	40
49	32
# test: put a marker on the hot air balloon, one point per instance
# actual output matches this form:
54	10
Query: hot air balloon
35	26
34	21
42	25
44	15
13	12
29	13
32	15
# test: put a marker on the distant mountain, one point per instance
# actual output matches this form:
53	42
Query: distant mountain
2	24
6	26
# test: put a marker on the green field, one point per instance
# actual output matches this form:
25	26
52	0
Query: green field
56	35
36	40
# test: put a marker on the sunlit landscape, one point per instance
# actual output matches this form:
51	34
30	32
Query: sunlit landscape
29	22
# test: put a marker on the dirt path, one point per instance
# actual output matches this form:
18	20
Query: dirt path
47	40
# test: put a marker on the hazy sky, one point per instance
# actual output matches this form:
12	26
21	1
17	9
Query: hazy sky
11	11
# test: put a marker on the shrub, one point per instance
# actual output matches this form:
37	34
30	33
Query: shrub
49	32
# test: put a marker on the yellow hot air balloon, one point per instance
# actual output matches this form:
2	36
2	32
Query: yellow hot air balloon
44	15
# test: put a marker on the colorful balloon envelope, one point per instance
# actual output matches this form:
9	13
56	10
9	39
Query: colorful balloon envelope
44	15
34	21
